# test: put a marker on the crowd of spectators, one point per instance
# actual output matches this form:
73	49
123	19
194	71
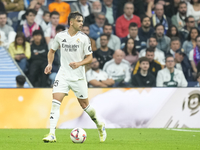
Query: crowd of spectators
135	43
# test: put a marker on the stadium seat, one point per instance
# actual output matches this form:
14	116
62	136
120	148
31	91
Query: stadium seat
8	71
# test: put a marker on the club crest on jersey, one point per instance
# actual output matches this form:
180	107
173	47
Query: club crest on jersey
78	40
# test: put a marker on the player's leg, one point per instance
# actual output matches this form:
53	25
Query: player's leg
54	116
60	89
81	91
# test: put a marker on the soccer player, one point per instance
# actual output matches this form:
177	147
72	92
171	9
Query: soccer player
74	46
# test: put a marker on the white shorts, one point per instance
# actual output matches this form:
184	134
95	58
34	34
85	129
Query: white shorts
79	87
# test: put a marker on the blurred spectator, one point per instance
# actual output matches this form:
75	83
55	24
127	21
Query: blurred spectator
190	43
193	9
96	9
50	32
179	19
20	51
154	65
86	30
20	81
113	41
124	20
110	11
194	56
104	53
174	46
39	7
82	6
189	23
63	8
143	78
138	4
59	28
160	18
97	77
3	26
198	80
45	21
29	25
145	31
173	32
118	69
163	40
170	6
96	29
170	76
131	55
149	7
158	54
56	61
183	64
13	5
38	60
133	33
2	8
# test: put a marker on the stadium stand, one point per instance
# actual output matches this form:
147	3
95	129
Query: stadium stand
9	70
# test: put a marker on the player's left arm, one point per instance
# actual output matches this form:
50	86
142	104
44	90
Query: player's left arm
87	60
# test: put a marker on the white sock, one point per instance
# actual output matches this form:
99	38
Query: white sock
92	113
54	116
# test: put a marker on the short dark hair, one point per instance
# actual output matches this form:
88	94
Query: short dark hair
187	18
143	59
107	24
168	57
46	12
73	15
153	37
191	2
3	13
37	32
159	24
20	79
54	13
181	3
85	25
175	39
132	24
28	11
128	3
150	49
60	27
143	17
103	34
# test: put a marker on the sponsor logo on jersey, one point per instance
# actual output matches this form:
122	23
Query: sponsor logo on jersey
70	48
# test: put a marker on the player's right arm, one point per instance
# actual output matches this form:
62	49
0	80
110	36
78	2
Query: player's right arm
51	53
48	68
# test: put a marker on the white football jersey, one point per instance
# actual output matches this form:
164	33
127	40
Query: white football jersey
72	49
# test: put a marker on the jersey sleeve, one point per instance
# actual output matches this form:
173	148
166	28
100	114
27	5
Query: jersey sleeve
55	45
87	46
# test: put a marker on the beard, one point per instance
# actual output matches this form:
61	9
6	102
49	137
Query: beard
183	13
95	68
146	27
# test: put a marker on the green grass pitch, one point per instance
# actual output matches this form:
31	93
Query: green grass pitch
117	139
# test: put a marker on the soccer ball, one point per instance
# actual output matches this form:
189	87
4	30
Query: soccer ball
78	135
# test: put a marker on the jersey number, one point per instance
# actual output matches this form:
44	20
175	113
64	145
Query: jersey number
56	83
